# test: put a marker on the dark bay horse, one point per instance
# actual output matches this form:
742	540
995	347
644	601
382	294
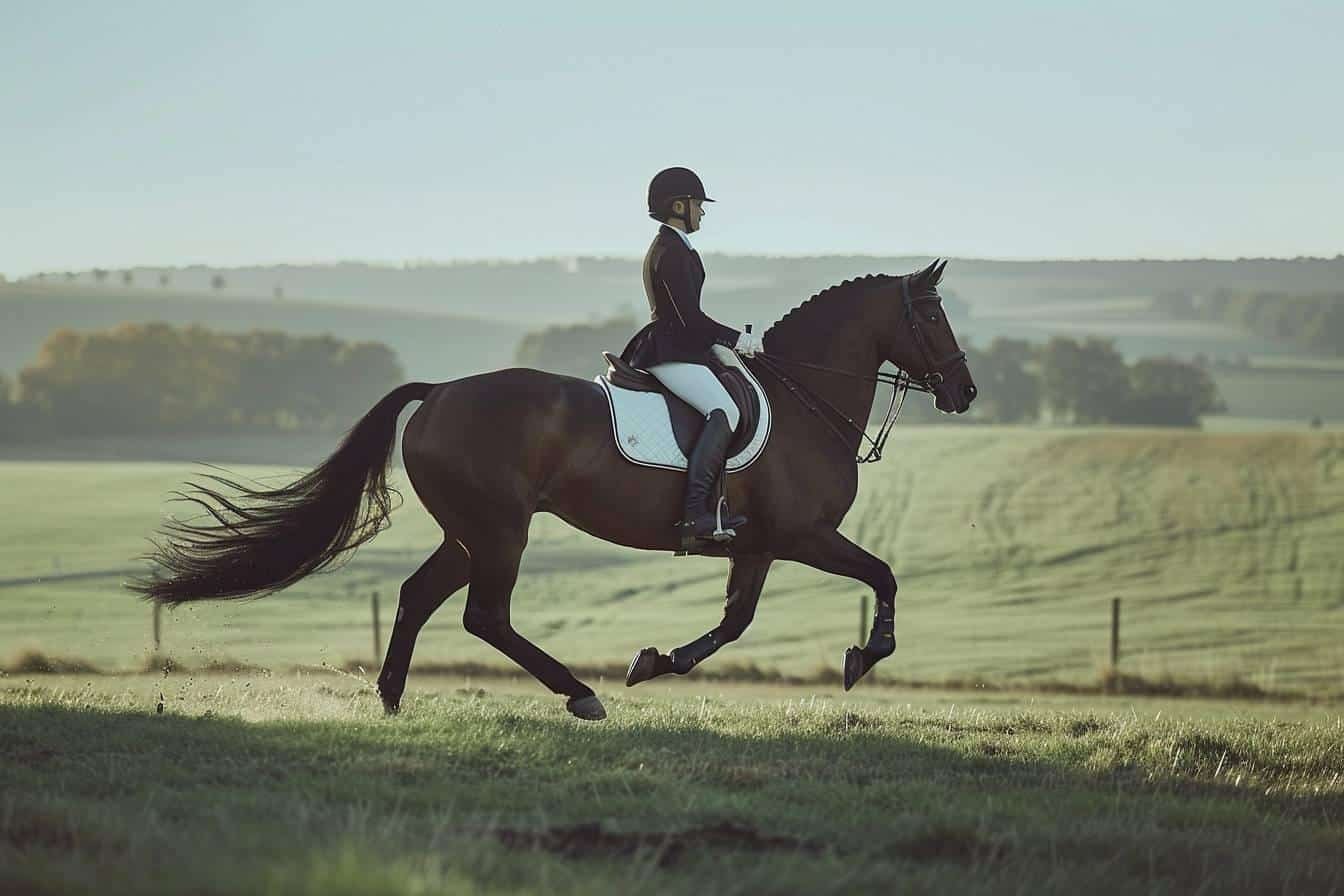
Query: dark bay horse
486	452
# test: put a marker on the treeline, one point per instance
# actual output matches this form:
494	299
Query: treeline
157	378
576	349
1063	381
1313	321
1087	381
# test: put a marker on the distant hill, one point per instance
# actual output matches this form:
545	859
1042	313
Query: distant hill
430	346
1125	300
555	290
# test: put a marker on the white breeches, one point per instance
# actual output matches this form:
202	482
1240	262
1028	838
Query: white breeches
698	387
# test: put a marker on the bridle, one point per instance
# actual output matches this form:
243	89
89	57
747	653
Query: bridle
935	375
900	381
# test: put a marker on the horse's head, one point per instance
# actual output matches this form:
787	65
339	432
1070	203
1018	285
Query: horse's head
924	345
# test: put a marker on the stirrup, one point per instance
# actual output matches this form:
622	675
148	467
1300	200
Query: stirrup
691	542
720	533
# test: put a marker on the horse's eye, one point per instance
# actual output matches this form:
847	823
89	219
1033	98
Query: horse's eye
933	318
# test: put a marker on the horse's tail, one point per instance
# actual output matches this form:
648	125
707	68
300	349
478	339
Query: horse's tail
260	540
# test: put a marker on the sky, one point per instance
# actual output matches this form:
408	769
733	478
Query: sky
139	133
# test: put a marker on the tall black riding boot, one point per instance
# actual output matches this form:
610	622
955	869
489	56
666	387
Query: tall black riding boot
700	520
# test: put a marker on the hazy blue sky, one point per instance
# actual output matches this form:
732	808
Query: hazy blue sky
231	133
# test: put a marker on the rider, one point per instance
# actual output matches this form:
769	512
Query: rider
675	347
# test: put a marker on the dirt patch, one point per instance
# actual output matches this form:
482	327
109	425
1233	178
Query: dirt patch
46	830
1084	727
590	841
35	662
34	757
945	844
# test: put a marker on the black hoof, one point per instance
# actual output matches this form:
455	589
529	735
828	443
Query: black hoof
856	666
588	708
391	705
642	666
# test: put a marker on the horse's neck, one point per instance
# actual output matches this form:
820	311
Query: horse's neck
851	348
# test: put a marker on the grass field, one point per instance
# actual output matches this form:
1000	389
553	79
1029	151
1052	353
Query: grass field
284	784
1008	544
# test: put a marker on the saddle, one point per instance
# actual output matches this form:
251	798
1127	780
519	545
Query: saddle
655	428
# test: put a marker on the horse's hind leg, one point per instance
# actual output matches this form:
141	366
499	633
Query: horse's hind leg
446	570
745	581
494	570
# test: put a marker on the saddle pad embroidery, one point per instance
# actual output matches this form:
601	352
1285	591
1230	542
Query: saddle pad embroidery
643	430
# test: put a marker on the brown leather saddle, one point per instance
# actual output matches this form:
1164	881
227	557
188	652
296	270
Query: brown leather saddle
687	422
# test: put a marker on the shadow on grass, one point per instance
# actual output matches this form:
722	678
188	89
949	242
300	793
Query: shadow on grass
510	795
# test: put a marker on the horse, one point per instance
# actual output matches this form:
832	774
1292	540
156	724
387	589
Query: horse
486	452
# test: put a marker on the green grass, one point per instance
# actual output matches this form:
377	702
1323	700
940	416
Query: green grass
1008	544
299	785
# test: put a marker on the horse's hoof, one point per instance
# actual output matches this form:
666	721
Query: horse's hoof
856	665
642	666
391	705
589	708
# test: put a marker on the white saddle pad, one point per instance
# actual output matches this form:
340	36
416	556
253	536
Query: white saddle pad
643	429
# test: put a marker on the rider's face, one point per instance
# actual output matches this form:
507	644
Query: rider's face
697	212
689	211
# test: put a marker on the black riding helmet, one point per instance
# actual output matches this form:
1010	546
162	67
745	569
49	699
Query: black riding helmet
670	184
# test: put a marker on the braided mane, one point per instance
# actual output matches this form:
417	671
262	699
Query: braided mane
799	327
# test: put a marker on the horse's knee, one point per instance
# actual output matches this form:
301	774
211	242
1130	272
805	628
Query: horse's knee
413	608
732	629
484	624
409	612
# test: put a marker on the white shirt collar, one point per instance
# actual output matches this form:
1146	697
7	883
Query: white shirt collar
684	238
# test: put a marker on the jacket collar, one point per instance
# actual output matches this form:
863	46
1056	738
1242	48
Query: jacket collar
684	238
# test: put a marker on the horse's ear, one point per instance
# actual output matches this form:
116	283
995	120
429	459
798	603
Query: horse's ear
927	277
938	274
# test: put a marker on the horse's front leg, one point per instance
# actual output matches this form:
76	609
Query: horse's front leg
829	551
745	580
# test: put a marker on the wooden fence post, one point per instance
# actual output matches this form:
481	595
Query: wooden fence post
158	610
377	630
1115	635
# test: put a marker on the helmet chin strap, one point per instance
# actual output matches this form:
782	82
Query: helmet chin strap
684	217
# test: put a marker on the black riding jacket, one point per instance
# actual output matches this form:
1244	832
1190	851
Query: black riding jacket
680	331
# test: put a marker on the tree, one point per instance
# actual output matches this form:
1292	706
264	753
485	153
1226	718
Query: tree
99	274
128	277
1084	382
1008	384
165	278
217	282
1167	392
146	378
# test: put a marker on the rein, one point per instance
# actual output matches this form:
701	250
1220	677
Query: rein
901	382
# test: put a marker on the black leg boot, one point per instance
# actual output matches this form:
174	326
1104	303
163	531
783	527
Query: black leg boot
699	520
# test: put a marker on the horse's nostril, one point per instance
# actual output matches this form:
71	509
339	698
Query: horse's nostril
969	391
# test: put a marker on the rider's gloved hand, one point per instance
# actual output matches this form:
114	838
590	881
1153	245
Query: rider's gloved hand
749	344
